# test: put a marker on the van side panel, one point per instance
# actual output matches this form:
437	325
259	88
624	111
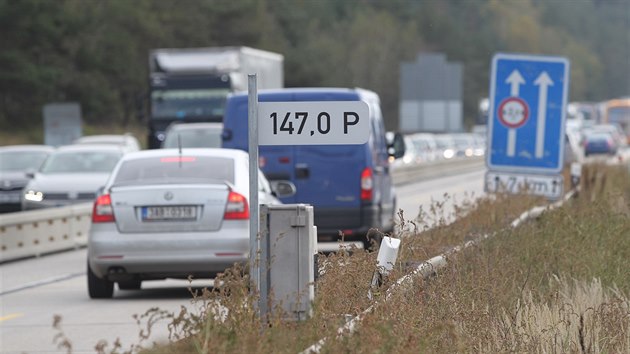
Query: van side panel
329	178
326	176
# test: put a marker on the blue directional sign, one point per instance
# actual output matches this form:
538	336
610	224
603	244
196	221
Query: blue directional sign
528	97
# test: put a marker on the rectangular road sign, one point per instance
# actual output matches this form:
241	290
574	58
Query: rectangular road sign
550	186
528	97
313	123
62	123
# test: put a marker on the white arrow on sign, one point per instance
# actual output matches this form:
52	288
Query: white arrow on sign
515	80
543	81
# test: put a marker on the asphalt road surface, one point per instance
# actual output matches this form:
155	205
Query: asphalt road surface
33	292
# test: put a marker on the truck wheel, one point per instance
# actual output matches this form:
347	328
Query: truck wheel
130	285
99	288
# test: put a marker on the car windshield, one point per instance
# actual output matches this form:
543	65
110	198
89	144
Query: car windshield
461	141
188	103
100	140
81	162
443	143
21	160
619	114
193	138
175	169
598	136
421	144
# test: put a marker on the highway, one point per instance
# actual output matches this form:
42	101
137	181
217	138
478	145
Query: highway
34	291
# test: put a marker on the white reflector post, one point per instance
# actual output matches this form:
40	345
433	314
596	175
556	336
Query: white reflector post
387	255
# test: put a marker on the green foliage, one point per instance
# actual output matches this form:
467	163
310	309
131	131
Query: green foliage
95	52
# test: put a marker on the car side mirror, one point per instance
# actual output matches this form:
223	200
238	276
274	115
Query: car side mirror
30	173
226	134
396	148
282	189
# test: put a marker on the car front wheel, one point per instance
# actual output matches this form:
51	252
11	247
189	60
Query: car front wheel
99	288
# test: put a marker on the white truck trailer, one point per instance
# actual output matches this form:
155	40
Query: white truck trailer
191	84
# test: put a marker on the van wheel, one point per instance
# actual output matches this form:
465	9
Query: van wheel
99	288
130	285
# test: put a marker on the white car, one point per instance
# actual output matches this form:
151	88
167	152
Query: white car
426	147
171	214
127	141
193	135
446	146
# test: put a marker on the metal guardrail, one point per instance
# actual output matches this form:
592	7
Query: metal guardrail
37	232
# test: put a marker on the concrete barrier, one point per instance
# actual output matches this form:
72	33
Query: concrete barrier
37	232
436	169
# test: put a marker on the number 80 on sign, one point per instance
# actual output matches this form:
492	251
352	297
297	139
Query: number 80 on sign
313	123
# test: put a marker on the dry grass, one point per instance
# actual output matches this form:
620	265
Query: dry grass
556	284
581	316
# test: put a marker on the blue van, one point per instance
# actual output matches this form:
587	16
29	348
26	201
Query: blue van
349	186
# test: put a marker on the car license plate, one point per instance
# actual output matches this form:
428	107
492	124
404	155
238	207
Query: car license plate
176	213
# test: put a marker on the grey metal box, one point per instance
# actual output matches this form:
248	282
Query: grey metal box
288	243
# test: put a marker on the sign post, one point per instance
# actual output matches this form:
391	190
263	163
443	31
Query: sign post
292	123
254	266
526	123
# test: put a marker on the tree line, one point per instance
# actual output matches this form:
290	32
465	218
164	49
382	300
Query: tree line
95	52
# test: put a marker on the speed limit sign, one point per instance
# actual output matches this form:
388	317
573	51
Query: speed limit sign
513	112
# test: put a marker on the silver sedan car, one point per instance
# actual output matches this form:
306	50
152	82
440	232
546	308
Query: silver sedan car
71	174
172	214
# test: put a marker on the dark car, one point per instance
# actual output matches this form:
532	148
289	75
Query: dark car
16	162
599	143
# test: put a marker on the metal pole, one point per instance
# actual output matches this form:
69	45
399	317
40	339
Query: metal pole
252	117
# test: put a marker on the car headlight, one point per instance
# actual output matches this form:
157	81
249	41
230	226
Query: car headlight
34	196
449	153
